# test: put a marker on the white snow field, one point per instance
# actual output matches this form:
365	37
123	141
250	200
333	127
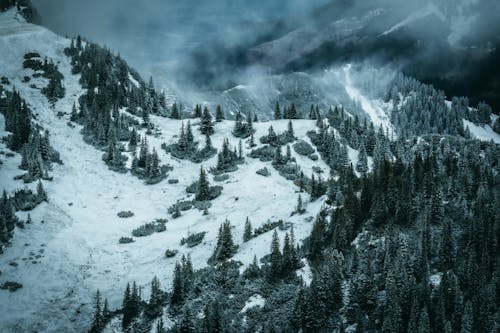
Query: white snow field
76	233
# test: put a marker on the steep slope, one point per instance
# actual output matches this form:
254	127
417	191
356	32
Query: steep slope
80	230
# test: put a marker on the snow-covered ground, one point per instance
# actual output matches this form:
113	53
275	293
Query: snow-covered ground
484	133
78	238
254	301
373	108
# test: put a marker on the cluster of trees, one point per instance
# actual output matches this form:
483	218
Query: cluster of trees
110	86
187	148
176	113
26	137
17	118
431	213
21	200
243	129
408	246
287	113
38	155
55	88
225	247
227	159
275	140
146	164
24	7
421	109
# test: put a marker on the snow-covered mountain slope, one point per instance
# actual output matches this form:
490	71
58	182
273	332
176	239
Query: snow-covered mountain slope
76	233
429	9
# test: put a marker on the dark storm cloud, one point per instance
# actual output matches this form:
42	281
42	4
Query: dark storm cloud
172	35
205	43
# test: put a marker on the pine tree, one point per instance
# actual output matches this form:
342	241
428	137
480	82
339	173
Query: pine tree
277	111
290	134
40	191
208	143
186	324
252	141
182	143
219	114
154	166
206	126
133	139
189	134
154	306
300	205
225	248
126	306
362	163
247	234
177	294
160	327
203	191
175	114
106	313
275	268
97	322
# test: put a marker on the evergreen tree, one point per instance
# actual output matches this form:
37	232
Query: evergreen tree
219	114
277	111
177	294
153	309
186	324
300	205
247	234
225	248
175	114
289	132
275	267
197	111
203	190
40	191
206	126
160	327
98	321
362	164
189	134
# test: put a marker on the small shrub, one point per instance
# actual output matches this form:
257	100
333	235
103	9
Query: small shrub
303	148
193	239
202	205
181	205
126	240
11	286
268	226
125	214
149	228
170	253
221	178
263	172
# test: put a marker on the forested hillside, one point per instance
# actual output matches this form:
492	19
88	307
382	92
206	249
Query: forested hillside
124	210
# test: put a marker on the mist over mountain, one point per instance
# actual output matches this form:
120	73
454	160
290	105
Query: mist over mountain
215	45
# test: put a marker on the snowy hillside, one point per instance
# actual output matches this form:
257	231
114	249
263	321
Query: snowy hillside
80	230
368	178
